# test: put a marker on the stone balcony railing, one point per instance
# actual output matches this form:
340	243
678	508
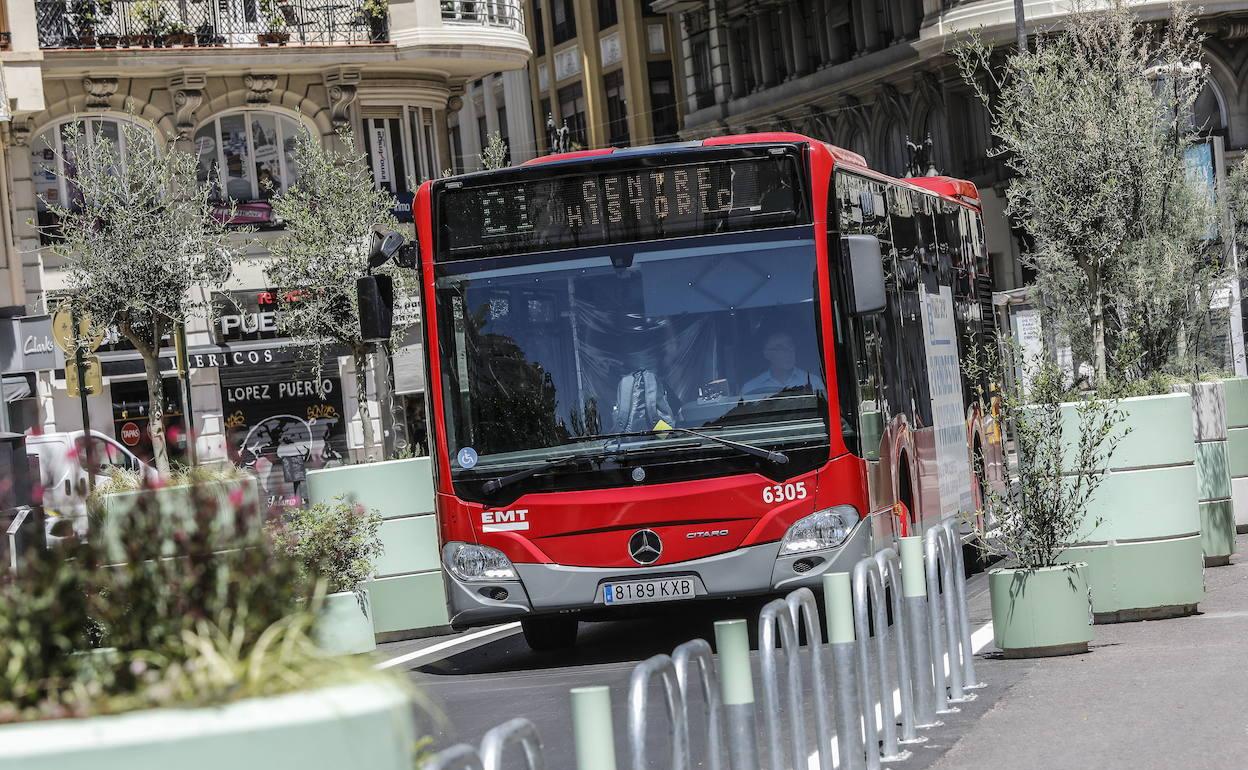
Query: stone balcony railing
207	23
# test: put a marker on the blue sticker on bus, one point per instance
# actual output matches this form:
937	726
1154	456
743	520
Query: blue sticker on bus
467	458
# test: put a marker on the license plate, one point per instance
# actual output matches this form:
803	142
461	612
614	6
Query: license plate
659	590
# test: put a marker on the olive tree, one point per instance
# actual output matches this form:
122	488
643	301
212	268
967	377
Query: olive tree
1094	122
138	234
496	154
330	213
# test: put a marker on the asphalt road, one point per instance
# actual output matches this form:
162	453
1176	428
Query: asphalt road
477	689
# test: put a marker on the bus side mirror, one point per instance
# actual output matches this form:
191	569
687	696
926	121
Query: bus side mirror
375	295
384	246
866	271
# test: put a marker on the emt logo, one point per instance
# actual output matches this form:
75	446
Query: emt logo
505	521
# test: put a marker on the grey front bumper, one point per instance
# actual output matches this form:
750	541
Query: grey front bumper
548	588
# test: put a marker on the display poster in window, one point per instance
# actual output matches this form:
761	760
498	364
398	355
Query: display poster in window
281	422
944	378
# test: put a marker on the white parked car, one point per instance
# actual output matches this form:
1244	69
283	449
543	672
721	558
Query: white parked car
64	477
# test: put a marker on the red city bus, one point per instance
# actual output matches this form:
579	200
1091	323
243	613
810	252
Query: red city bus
693	371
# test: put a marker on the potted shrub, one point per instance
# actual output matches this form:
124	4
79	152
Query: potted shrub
85	19
178	34
337	542
277	33
1040	601
212	650
377	18
150	17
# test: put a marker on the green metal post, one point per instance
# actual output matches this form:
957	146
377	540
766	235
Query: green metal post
592	728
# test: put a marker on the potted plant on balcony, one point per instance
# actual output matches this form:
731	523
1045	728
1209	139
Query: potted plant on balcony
376	15
86	16
1041	604
150	17
178	34
278	32
337	542
209	655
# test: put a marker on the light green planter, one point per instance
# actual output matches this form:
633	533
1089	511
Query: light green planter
344	626
365	725
1042	612
1213	473
407	594
1236	389
1144	556
176	502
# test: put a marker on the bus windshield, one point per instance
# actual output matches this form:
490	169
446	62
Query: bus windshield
542	354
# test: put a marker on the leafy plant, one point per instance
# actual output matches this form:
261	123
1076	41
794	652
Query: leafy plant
86	16
173	576
142	234
1095	122
331	212
376	9
496	153
1060	458
337	542
273	15
152	17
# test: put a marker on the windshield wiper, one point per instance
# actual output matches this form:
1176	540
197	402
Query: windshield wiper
770	455
493	485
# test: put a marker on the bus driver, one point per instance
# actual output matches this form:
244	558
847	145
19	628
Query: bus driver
782	372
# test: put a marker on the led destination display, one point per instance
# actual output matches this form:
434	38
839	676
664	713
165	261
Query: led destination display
644	202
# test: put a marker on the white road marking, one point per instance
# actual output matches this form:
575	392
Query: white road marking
451	647
980	638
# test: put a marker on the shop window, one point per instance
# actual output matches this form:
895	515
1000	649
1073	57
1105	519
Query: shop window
247	156
617	109
53	170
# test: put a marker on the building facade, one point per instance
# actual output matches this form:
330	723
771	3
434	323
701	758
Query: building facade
874	75
495	104
233	82
606	69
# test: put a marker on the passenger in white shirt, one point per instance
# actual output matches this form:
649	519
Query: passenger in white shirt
783	372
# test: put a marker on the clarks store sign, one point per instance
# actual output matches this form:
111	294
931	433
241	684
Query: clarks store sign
26	344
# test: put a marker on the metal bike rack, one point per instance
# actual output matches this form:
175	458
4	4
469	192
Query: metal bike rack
638	698
805	612
875	680
889	565
777	617
515	731
458	757
698	653
948	623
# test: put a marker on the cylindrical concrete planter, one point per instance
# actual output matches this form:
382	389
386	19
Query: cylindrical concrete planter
1236	389
1039	613
368	724
1144	553
344	626
1213	473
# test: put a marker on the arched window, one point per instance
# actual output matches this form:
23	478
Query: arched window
53	169
1207	113
248	155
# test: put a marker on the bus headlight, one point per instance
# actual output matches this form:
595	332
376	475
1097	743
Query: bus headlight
477	563
820	530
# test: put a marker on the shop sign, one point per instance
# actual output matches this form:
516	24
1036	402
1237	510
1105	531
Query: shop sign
130	434
249	315
27	344
403	206
282	425
251	213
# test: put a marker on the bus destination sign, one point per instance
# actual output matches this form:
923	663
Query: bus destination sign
641	203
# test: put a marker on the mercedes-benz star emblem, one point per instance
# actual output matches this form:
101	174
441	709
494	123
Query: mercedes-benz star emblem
645	546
